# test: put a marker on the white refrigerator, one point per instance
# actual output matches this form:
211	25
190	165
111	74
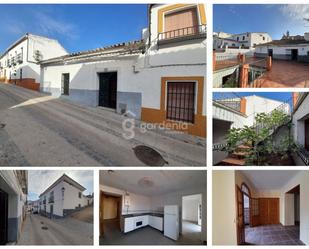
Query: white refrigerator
171	222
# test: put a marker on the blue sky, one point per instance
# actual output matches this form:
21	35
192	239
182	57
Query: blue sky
76	26
40	180
275	19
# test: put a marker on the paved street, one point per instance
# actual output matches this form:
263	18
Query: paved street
39	130
38	230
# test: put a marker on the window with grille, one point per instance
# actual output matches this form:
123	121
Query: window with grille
181	101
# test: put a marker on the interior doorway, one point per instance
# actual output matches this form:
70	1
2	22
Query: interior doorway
293	206
270	53
191	220
108	89
3	217
110	213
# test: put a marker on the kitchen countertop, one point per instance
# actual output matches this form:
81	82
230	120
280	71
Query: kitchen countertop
141	214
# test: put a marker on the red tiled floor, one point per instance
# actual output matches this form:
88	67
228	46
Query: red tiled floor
285	74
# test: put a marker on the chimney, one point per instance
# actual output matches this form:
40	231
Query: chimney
294	98
243	105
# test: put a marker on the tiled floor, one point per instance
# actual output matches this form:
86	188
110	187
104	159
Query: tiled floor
148	236
285	74
273	235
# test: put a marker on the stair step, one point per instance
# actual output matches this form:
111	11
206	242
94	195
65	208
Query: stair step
244	147
233	161
240	154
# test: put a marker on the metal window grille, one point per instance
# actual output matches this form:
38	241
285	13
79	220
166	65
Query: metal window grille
180	101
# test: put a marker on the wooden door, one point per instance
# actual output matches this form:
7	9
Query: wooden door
273	212
101	214
263	204
240	222
269	211
307	134
3	217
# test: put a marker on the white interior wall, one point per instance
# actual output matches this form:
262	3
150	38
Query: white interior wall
300	179
138	203
223	208
289	210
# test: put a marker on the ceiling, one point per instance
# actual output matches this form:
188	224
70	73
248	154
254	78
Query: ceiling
269	179
153	182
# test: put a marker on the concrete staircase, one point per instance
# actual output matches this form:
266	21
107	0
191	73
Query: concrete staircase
237	158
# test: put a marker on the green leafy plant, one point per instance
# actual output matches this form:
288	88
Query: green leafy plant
259	139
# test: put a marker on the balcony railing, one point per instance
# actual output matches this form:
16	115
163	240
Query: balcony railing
19	58
187	33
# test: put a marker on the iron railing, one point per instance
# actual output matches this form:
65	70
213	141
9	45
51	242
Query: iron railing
304	155
230	100
187	32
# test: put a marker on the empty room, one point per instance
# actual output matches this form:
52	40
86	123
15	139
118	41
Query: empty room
156	207
260	207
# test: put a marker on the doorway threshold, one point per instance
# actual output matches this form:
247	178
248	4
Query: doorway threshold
107	109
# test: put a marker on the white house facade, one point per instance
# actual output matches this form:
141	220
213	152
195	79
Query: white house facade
13	204
243	40
19	64
286	49
63	197
143	77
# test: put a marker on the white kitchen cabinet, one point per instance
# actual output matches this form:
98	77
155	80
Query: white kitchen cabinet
129	224
156	222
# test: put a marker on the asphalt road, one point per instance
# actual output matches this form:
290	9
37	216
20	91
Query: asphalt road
38	230
39	130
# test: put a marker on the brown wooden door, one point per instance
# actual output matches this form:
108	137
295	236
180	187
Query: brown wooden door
101	214
240	216
269	211
263	204
307	134
273	212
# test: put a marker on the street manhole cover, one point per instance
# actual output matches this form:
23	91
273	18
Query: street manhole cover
44	228
2	126
149	156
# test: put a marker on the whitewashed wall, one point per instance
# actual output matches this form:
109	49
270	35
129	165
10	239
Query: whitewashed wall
299	116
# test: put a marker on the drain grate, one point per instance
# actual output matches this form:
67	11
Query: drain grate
2	126
149	156
44	228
